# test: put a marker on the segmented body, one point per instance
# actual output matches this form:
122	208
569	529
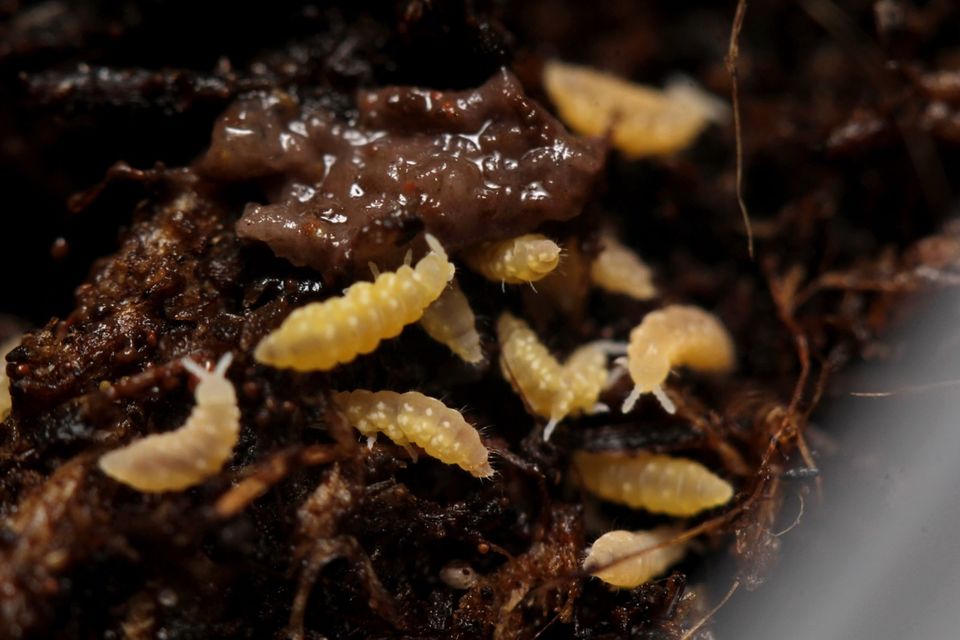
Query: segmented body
586	374
532	371
618	269
413	418
677	335
550	389
450	321
185	457
321	335
5	400
641	120
642	565
522	259
657	483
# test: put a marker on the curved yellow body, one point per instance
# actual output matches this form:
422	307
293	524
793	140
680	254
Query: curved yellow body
522	259
618	269
550	389
321	335
185	457
642	121
586	374
643	566
675	336
532	371
656	483
450	321
413	418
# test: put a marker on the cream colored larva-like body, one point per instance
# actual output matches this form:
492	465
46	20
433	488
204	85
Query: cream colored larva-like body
450	321
522	259
618	269
185	457
586	373
5	400
675	336
642	561
641	121
413	418
654	482
321	335
533	372
551	390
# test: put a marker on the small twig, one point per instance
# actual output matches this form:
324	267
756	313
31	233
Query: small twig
547	626
265	474
796	521
920	388
712	612
733	53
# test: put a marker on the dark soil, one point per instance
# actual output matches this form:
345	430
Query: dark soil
116	230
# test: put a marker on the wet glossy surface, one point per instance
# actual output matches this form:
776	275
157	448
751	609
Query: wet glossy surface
468	166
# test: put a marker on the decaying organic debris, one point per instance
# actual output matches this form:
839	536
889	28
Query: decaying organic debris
484	164
279	155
